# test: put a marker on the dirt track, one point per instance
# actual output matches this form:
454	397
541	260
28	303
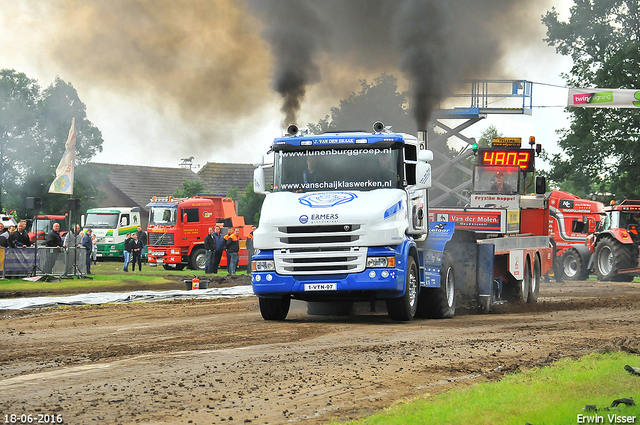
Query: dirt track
219	362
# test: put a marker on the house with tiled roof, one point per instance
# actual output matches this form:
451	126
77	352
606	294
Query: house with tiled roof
220	178
135	185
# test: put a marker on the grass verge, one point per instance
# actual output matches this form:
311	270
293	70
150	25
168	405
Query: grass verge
552	395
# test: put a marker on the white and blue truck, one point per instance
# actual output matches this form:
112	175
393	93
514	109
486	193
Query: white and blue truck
346	219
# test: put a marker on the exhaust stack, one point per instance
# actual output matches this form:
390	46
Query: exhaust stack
422	137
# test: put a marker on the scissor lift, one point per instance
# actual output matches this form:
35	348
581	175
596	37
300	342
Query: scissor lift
486	97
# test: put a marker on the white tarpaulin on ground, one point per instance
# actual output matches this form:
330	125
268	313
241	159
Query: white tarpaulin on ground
124	297
604	98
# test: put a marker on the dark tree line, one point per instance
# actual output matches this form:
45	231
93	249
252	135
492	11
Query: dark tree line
34	125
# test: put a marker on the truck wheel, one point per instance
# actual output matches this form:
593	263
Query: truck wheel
198	258
439	303
534	288
611	256
572	266
404	308
524	289
274	308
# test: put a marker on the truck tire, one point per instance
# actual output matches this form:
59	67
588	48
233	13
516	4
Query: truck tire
197	259
274	308
440	303
572	265
524	286
404	308
534	288
611	256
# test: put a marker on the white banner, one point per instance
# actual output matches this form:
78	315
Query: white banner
63	183
604	98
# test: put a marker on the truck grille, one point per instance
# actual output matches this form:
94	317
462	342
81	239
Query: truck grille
320	260
320	250
161	239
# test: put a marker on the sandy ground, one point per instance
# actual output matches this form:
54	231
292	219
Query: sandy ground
205	362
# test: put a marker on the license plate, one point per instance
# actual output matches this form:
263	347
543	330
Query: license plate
159	261
321	287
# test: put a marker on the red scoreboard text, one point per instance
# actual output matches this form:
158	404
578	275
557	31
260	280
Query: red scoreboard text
522	158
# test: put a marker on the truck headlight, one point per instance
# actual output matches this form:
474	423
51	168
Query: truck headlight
263	265
373	262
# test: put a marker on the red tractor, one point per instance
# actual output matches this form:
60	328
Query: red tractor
615	247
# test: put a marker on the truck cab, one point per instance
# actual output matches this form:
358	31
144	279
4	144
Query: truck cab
110	225
342	221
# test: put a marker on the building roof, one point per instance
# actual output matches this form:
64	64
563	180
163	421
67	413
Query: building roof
140	183
219	178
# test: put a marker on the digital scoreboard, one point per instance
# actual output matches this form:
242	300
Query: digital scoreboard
521	158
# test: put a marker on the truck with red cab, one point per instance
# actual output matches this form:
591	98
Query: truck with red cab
177	227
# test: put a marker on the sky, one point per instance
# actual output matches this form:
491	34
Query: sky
217	80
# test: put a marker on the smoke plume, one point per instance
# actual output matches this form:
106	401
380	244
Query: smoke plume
212	62
433	42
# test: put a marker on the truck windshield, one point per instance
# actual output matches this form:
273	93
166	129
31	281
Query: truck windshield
45	225
334	169
101	221
163	215
496	180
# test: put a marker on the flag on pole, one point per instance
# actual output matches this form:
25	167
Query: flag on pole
63	183
604	98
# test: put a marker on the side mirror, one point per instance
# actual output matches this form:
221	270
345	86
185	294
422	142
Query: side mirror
423	169
423	175
259	186
425	155
541	185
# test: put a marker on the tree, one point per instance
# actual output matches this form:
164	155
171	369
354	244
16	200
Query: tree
189	188
601	147
249	203
34	126
379	101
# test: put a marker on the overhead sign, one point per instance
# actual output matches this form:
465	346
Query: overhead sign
504	142
604	98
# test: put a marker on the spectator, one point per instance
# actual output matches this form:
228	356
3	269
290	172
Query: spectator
53	239
87	243
250	249
20	238
127	252
210	248
4	237
233	248
220	242
136	252
94	251
142	237
73	238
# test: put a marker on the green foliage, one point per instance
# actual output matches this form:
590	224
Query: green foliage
249	204
601	146
550	395
189	188
379	101
34	125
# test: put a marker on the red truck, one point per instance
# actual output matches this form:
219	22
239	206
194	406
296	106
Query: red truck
177	227
44	224
572	219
